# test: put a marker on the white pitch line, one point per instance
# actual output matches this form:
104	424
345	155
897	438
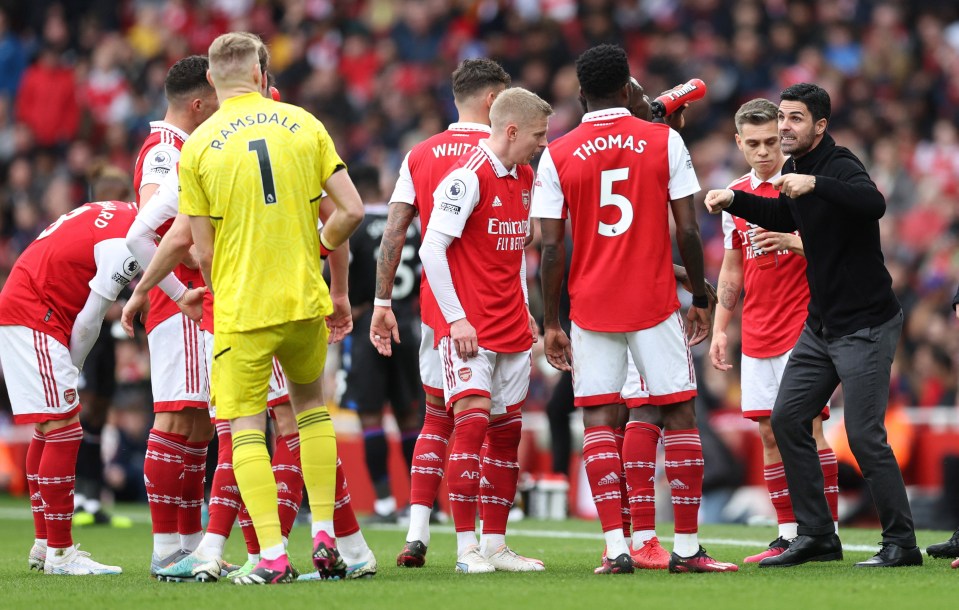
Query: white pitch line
24	514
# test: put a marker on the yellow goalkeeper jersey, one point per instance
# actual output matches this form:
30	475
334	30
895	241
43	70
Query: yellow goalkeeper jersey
257	168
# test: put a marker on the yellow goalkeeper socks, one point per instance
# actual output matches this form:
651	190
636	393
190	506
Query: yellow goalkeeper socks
318	459
254	477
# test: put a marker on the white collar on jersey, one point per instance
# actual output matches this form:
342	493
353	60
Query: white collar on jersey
157	125
605	114
467	126
754	180
498	168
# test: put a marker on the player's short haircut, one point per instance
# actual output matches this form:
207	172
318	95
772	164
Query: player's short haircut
602	70
187	78
110	183
813	96
477	76
232	52
366	178
755	112
519	106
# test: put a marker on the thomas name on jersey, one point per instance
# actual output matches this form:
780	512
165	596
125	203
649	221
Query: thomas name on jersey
260	118
609	142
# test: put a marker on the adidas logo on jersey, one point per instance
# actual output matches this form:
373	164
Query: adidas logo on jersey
677	484
484	482
609	479
429	457
496	202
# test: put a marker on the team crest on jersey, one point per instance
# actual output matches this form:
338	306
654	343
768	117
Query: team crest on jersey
465	374
526	199
456	189
70	395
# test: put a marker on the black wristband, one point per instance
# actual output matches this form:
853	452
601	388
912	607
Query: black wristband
700	301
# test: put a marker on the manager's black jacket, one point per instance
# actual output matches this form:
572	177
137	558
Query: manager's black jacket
849	286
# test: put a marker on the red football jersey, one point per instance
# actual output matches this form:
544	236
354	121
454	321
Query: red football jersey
423	168
486	207
776	301
158	158
84	250
613	177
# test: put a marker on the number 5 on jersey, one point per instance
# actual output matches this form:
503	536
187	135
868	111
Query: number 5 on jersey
608	197
266	169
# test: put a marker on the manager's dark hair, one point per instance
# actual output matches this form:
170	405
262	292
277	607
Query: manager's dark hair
602	71
813	96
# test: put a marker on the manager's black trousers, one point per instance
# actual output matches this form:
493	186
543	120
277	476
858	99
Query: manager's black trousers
860	361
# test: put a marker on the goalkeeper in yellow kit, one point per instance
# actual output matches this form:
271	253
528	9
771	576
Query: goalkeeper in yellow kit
251	179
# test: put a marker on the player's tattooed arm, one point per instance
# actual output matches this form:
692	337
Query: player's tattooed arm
391	248
729	294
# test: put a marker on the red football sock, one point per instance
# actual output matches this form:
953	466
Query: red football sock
603	468
482	456
639	461
830	474
289	479
344	519
429	456
191	491
464	467
162	470
249	532
620	434
500	471
57	478
225	499
779	492
684	470
34	455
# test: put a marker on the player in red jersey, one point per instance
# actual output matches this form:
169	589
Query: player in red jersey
473	255
772	269
476	83
175	463
612	177
51	309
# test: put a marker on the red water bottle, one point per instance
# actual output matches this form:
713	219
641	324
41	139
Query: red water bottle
672	100
764	260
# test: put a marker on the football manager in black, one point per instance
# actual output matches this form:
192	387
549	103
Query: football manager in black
850	334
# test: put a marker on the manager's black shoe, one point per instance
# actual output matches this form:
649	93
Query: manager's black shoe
945	550
893	556
804	549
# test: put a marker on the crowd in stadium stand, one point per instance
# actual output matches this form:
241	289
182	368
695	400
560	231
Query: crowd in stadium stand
80	81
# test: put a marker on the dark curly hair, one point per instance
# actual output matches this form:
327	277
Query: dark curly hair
186	77
602	71
813	96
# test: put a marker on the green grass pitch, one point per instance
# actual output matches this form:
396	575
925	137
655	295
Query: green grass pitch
570	550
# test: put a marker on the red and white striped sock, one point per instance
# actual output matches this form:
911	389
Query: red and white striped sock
620	434
603	470
778	489
344	519
500	472
57	479
162	472
464	467
249	532
289	480
225	498
639	461
830	474
684	470
191	494
429	456
34	455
